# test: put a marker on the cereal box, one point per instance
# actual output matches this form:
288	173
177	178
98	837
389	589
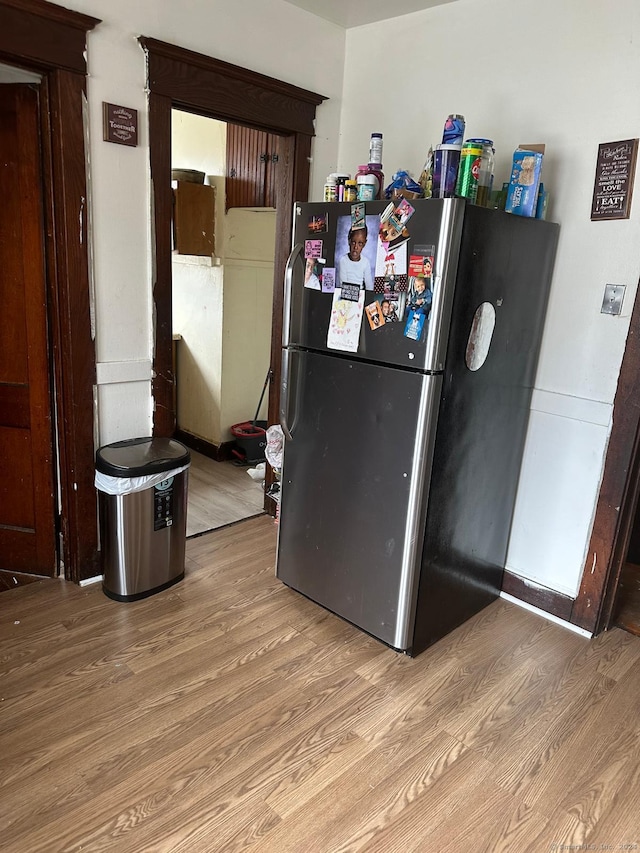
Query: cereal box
522	195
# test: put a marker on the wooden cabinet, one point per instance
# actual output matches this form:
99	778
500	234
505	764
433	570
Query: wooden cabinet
252	167
194	219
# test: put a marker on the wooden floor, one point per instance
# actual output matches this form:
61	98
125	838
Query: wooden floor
220	493
229	713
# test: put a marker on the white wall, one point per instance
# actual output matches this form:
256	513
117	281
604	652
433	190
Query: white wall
249	33
564	73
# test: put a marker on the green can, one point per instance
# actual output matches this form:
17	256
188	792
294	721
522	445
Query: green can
467	183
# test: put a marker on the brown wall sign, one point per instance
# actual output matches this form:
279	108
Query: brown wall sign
120	124
613	187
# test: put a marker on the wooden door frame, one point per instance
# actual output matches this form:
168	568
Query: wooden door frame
181	79
41	37
618	496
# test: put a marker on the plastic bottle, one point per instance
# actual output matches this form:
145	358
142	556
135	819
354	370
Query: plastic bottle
375	150
350	191
367	186
341	179
330	190
374	170
485	174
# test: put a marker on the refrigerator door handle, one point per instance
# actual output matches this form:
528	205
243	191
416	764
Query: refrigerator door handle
284	395
288	286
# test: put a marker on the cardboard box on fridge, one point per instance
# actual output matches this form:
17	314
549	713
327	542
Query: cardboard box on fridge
522	195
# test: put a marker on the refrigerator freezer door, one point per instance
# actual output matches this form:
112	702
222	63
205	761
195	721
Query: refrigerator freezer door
307	311
354	489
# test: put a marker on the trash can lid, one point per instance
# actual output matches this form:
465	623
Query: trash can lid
137	457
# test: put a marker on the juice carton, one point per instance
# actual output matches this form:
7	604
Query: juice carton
522	195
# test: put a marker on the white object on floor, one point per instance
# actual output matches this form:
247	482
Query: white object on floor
257	473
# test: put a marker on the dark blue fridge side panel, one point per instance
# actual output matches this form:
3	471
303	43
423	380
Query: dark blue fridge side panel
506	261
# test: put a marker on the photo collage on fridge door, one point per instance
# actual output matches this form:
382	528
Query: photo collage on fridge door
374	281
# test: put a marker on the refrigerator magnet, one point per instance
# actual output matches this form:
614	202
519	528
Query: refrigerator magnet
345	323
313	273
391	262
357	216
419	295
403	212
317	223
414	326
328	280
391	308
355	253
421	261
392	233
374	315
313	248
351	292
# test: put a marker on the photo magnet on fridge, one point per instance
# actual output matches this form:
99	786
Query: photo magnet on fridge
391	269
313	273
355	258
392	233
313	248
392	262
374	315
421	261
318	223
419	295
392	306
357	215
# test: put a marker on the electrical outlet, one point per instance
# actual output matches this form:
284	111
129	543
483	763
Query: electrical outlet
613	296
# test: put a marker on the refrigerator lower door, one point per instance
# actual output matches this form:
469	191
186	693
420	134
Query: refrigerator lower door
354	489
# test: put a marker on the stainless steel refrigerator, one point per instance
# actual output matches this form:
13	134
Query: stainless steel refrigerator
403	448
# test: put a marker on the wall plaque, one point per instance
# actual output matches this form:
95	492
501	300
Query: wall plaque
120	124
613	187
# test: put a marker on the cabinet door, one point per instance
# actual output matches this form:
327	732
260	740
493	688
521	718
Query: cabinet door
252	161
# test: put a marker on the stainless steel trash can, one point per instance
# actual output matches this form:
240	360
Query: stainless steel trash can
142	495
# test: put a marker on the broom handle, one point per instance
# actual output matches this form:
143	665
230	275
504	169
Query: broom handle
264	388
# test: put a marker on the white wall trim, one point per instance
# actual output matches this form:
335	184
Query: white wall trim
90	581
545	615
566	406
114	372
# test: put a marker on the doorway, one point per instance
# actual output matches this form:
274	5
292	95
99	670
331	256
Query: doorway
27	493
181	79
222	304
626	612
50	41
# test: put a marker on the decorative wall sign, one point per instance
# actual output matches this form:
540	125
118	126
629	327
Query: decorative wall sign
120	124
613	187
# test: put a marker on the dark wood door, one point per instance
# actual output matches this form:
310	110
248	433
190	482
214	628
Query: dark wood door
27	506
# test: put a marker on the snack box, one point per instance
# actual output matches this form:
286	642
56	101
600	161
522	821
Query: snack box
522	195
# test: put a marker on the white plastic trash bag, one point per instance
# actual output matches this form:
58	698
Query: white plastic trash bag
128	485
275	445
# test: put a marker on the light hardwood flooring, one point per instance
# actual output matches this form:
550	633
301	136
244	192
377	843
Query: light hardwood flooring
220	493
228	713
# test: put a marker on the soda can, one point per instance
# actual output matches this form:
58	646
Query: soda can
469	169
453	132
